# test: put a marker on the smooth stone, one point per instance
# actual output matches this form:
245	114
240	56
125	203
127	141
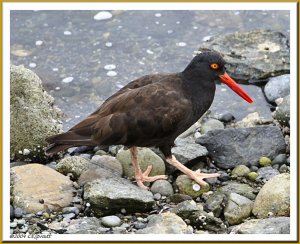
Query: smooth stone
74	164
68	210
33	182
240	170
106	162
264	161
189	187
226	117
273	197
253	168
277	87
283	169
237	209
86	225
215	203
280	159
139	225
166	223
146	157
163	187
111	195
13	225
69	216
282	112
239	188
18	212
267	173
252	176
280	225
33	117
111	221
231	147
211	124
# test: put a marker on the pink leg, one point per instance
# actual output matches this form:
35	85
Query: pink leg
195	175
139	176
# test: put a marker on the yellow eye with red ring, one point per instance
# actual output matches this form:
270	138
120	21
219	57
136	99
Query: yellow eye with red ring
214	66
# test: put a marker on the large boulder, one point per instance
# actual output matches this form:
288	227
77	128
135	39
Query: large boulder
255	55
233	146
33	117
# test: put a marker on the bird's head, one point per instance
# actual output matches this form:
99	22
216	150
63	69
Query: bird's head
211	65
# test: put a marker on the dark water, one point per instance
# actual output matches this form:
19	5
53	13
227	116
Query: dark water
63	44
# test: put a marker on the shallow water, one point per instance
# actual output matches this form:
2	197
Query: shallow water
70	51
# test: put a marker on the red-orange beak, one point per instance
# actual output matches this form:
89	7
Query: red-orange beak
225	78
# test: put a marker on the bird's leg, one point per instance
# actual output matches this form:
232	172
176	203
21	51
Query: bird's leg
139	176
194	175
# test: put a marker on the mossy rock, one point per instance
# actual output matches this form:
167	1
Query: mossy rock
265	161
189	187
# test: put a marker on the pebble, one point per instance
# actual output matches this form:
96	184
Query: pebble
18	212
68	210
181	44
109	66
264	161
240	170
157	196
111	221
38	43
283	169
103	15
67	79
21	222
24	229
67	33
252	176
226	117
13	225
163	187
139	225
224	177
111	73
279	159
32	65
69	216
253	168
108	44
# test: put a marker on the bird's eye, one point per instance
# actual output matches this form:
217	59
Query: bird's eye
214	66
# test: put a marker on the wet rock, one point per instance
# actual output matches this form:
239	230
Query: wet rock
163	187
146	157
166	223
111	221
109	196
280	225
186	150
253	55
226	117
279	159
34	182
282	113
211	124
189	187
234	146
277	87
239	188
75	165
215	203
240	170
178	198
274	197
266	173
86	225
33	117
264	161
237	209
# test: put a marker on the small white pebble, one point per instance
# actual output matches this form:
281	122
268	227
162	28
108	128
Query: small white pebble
109	66
170	31
68	79
196	187
55	69
20	152
57	88
67	33
195	27
111	73
32	65
26	151
158	15
157	22
38	43
223	89
119	86
102	15
206	38
177	22
149	51
181	44
108	44
236	13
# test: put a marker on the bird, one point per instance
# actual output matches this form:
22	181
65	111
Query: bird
152	111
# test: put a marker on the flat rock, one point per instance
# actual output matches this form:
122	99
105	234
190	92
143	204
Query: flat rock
75	165
237	209
215	203
33	182
253	55
109	196
186	150
106	162
234	146
86	225
280	225
166	223
33	117
274	197
277	87
211	124
282	113
266	173
239	188
146	157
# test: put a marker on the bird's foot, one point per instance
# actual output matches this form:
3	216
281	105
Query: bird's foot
198	176
142	177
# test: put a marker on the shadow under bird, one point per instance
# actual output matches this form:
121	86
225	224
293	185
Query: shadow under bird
152	111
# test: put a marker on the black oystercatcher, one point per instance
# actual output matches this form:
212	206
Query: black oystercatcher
152	111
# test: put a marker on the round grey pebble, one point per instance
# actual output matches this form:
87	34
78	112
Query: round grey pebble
111	221
162	187
226	117
275	166
68	210
125	225
253	168
39	213
18	212
157	196
139	225
224	177
279	159
288	161
283	168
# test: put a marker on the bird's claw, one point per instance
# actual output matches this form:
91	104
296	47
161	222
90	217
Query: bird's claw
198	177
142	177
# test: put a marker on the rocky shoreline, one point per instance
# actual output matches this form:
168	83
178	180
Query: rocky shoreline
90	190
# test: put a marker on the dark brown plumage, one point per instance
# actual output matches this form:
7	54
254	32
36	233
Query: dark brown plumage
151	111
